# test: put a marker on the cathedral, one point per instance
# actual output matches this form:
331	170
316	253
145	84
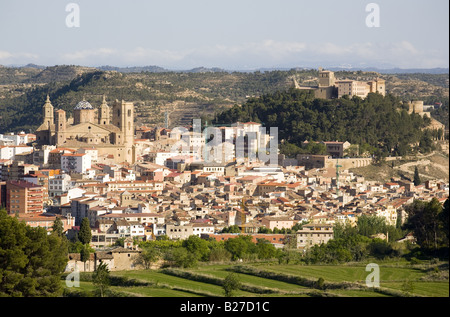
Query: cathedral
109	129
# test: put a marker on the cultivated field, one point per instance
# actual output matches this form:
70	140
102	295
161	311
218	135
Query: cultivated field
270	279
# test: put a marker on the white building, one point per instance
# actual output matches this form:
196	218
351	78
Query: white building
75	163
59	185
137	229
92	152
199	228
40	157
14	139
9	152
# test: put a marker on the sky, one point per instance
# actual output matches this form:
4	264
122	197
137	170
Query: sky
231	34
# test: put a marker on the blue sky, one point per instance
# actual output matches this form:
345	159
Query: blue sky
244	34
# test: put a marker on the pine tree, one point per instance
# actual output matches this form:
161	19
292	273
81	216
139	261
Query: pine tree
31	261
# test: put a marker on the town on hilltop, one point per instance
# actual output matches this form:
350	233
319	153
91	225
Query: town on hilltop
141	183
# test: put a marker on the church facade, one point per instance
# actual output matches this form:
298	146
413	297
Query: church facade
109	129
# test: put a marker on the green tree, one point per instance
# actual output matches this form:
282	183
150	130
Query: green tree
231	284
408	287
444	217
239	246
265	249
320	283
76	247
31	261
369	225
85	234
425	221
380	248
85	255
344	229
58	227
417	180
264	230
101	278
149	254
231	229
219	254
180	257
197	246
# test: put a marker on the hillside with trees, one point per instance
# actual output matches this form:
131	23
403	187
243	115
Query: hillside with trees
381	126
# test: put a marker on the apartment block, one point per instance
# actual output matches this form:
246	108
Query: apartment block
24	197
75	163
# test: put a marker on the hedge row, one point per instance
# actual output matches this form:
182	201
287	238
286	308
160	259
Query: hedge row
293	279
217	281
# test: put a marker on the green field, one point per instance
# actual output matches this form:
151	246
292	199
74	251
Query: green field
263	280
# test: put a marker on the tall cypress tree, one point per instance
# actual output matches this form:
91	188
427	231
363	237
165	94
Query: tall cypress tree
85	234
417	180
58	227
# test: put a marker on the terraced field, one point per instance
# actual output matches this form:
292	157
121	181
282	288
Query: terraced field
274	280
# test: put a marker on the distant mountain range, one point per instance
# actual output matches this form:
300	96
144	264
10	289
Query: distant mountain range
158	69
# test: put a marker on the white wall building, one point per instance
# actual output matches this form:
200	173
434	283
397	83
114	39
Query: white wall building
9	152
59	185
14	139
92	152
75	163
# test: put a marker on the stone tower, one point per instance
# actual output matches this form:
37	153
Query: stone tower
326	78
48	113
60	126
104	113
123	118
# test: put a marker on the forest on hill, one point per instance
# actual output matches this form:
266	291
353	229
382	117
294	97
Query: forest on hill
381	126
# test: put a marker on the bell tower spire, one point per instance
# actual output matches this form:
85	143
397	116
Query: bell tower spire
47	110
104	113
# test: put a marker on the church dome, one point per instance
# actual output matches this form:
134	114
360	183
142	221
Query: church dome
83	105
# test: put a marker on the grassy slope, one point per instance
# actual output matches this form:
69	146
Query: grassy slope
393	277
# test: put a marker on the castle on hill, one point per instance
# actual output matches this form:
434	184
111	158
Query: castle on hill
329	87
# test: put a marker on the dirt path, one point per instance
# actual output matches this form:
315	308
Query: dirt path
433	165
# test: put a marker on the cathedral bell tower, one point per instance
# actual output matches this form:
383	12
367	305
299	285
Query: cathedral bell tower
48	113
123	118
60	126
104	113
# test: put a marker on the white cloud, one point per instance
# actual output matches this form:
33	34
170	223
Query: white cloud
267	53
86	55
17	58
5	55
